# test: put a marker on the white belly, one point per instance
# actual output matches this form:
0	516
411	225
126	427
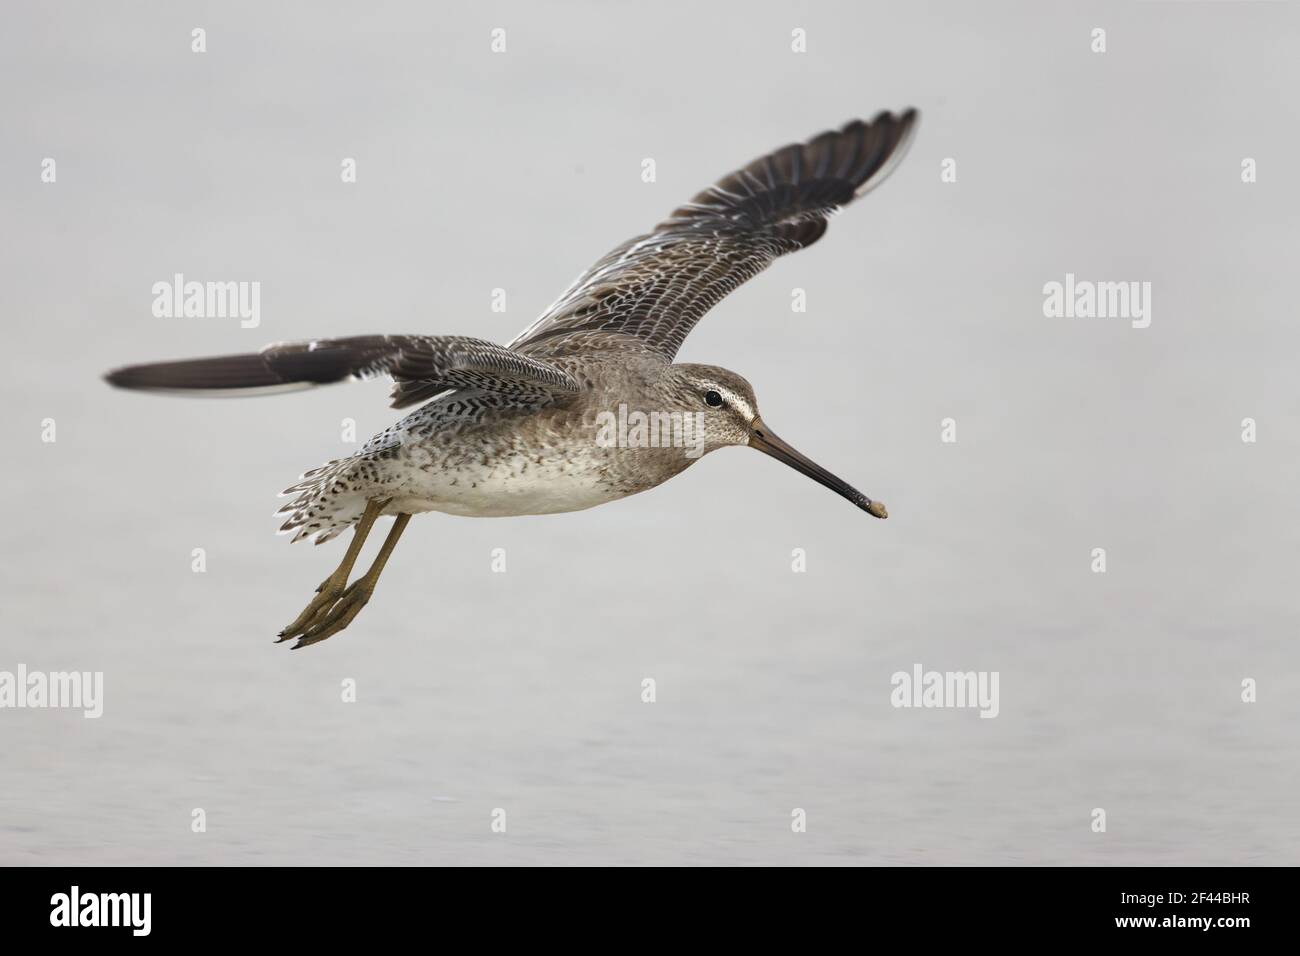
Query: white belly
551	487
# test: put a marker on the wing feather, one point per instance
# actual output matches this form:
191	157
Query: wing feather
650	292
421	366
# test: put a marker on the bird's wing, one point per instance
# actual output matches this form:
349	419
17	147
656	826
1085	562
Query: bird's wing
649	292
421	366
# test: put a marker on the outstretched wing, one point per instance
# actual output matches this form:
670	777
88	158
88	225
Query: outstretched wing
649	292
421	367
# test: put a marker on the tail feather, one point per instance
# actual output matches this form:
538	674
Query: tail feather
326	501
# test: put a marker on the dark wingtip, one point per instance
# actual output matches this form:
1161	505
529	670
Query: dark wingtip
219	372
118	377
802	183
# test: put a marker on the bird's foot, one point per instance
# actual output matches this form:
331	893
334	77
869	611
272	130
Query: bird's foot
336	602
330	590
334	615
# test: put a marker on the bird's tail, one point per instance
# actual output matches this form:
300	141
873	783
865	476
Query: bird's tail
324	501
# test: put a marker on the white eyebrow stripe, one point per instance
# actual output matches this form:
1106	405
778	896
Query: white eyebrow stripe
738	401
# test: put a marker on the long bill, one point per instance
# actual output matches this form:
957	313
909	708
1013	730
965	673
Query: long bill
767	441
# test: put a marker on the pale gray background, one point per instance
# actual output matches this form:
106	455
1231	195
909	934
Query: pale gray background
481	690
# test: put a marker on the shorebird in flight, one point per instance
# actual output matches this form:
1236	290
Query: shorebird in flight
513	430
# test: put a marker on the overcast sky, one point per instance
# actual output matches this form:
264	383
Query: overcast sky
522	691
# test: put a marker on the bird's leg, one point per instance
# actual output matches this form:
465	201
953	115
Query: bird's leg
331	589
356	596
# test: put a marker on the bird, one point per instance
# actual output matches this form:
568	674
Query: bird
555	421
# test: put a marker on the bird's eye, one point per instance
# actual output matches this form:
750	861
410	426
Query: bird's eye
712	398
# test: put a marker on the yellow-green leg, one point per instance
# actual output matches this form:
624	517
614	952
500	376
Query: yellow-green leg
357	595
331	589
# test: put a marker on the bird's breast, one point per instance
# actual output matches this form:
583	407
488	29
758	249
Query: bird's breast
518	477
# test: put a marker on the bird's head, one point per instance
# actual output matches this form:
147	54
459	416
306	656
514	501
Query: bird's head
728	413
